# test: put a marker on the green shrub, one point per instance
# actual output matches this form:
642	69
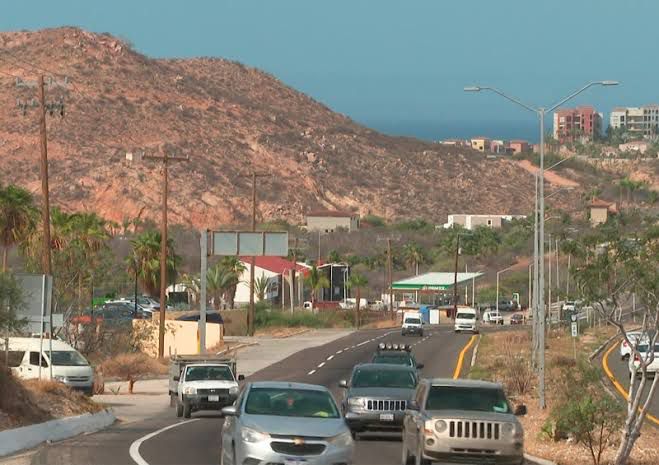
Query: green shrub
267	317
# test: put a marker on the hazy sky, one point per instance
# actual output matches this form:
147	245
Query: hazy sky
398	65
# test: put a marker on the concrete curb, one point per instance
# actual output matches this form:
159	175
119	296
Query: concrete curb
26	437
599	350
538	460
237	347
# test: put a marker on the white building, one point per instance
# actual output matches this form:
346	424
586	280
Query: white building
641	121
328	221
473	221
277	271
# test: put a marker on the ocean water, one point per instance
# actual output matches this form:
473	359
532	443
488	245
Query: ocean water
432	131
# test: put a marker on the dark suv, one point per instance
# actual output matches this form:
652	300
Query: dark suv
395	354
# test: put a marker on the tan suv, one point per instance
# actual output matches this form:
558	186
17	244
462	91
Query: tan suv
462	421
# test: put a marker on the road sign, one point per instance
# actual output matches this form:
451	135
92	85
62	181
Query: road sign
247	243
575	330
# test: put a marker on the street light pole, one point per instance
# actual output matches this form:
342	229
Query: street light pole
498	274
539	256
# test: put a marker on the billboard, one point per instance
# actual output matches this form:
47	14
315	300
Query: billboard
248	244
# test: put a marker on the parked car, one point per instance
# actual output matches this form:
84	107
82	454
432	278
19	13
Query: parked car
517	319
493	317
285	423
211	317
507	306
68	366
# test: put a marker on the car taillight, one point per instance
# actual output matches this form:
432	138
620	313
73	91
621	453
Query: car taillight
637	358
624	343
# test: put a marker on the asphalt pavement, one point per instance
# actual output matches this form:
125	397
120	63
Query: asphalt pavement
196	441
618	372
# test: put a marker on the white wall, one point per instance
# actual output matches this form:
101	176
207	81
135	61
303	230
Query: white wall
242	291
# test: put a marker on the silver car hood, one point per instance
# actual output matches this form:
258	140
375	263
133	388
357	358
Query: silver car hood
294	426
476	416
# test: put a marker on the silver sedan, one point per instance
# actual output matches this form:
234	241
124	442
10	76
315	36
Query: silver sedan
287	423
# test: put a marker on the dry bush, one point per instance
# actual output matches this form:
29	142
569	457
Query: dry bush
517	372
131	367
16	403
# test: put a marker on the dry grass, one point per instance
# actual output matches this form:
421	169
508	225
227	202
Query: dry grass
383	324
28	402
132	367
494	354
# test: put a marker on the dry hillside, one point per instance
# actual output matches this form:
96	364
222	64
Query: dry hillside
227	118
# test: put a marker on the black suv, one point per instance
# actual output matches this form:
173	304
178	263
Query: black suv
396	354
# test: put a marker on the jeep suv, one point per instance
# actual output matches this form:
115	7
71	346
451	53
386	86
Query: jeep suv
462	421
377	396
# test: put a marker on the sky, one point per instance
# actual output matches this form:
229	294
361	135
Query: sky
399	66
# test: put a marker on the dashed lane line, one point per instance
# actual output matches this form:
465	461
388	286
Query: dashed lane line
311	372
134	449
330	357
320	365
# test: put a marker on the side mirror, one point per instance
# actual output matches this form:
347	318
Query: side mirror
520	410
230	411
420	366
241	377
177	378
412	406
343	384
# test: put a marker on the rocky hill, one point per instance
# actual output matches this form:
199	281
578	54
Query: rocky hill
228	119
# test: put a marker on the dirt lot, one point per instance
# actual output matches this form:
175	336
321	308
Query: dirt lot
27	402
494	355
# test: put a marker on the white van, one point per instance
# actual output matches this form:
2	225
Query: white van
466	320
69	367
412	323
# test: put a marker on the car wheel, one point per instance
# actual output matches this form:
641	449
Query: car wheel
179	409
187	410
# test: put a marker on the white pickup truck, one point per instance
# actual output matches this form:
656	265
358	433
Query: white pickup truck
203	384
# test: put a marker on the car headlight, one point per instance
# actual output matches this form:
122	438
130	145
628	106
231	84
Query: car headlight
356	402
61	379
252	436
341	440
440	426
234	390
189	390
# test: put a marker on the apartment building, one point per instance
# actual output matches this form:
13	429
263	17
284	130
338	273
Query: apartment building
518	146
577	123
482	144
640	121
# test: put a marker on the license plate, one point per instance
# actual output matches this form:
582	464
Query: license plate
213	398
295	461
386	417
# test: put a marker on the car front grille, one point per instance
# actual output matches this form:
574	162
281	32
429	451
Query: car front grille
78	379
386	405
290	448
474	429
205	392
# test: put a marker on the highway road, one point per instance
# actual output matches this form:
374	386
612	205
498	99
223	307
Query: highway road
618	370
196	441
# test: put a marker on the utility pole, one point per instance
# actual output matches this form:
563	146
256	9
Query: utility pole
45	206
165	159
293	270
251	313
390	280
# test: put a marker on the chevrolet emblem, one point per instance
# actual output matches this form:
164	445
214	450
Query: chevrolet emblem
298	441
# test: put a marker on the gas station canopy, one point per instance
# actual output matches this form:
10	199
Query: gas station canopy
436	281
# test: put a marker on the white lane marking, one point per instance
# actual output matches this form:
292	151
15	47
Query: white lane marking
339	352
311	372
134	450
347	348
320	365
330	357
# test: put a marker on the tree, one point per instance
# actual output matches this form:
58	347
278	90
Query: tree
618	260
234	265
18	217
192	284
219	279
357	282
413	255
144	260
11	300
334	257
316	280
260	287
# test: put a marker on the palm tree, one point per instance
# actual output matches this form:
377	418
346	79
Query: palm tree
144	260
234	265
261	286
18	216
316	281
218	280
413	255
334	257
357	282
192	284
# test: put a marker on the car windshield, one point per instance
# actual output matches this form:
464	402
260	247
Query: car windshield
216	373
413	321
467	398
644	347
384	378
68	358
289	402
466	316
395	359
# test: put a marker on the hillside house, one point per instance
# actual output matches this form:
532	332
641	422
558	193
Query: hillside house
473	221
600	210
328	221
